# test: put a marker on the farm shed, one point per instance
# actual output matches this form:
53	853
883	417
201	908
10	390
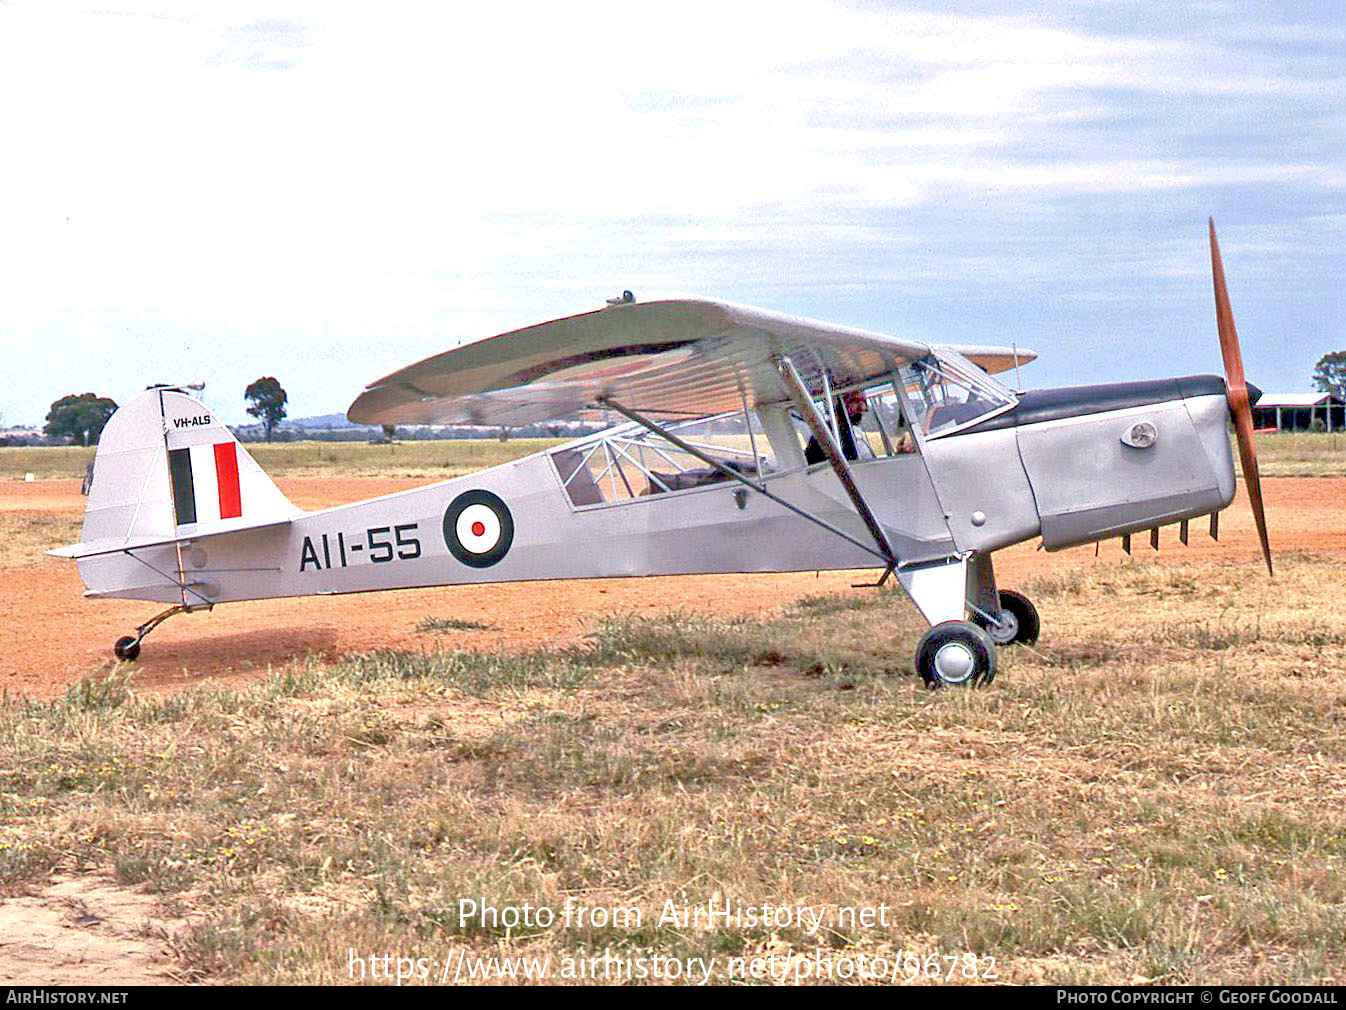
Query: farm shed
1299	412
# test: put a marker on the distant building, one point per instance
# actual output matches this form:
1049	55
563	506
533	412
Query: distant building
1300	412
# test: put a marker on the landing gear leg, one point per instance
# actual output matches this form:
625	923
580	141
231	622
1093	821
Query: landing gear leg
127	648
956	650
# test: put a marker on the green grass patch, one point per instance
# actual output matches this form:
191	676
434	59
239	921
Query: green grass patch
441	625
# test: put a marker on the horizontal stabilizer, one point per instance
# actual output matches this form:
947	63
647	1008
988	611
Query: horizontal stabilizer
92	548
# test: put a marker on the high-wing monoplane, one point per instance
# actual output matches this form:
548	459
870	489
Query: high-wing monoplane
751	442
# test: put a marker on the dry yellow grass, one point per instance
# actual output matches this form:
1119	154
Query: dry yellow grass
1300	454
432	459
436	459
1153	793
1281	455
25	535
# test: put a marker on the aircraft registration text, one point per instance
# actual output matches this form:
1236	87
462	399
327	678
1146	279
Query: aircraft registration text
379	544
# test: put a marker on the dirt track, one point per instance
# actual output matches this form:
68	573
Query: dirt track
52	635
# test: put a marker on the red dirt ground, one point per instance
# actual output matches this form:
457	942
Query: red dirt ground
52	635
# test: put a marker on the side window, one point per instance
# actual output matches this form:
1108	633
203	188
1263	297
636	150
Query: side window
631	462
883	423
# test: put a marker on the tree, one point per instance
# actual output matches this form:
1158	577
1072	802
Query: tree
268	403
80	416
1329	374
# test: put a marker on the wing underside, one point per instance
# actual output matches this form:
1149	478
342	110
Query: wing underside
670	358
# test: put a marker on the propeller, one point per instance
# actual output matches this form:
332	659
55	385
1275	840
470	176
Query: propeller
1236	390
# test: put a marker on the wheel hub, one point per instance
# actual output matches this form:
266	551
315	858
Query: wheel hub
1006	629
954	662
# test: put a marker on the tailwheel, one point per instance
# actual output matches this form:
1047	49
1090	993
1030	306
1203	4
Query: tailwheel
956	653
127	648
1019	621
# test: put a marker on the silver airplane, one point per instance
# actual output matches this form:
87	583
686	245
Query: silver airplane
752	442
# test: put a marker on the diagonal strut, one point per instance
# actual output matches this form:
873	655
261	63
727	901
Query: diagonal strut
631	415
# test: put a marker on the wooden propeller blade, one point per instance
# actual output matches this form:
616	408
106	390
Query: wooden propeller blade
1236	389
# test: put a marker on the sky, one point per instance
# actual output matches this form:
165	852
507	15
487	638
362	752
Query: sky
326	192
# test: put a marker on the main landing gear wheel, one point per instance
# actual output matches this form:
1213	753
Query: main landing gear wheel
956	653
127	649
1019	621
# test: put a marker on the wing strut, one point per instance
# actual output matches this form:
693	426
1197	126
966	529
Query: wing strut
804	402
691	450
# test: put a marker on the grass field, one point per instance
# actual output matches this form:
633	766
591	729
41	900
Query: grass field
1301	453
437	459
1280	455
1155	793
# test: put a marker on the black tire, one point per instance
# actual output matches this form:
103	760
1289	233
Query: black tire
956	654
1022	624
127	649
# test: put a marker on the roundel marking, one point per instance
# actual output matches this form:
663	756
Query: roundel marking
478	528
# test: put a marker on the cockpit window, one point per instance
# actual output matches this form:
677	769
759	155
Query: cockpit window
945	392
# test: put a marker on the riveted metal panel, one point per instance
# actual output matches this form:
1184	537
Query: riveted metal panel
982	489
1090	484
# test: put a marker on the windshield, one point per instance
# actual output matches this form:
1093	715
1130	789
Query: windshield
945	392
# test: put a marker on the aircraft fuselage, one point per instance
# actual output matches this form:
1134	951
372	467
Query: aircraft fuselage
1072	466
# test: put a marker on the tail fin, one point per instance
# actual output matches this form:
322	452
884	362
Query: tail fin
168	469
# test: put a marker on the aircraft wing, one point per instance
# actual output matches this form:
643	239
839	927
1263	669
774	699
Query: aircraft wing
684	357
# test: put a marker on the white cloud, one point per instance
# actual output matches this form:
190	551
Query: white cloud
323	190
